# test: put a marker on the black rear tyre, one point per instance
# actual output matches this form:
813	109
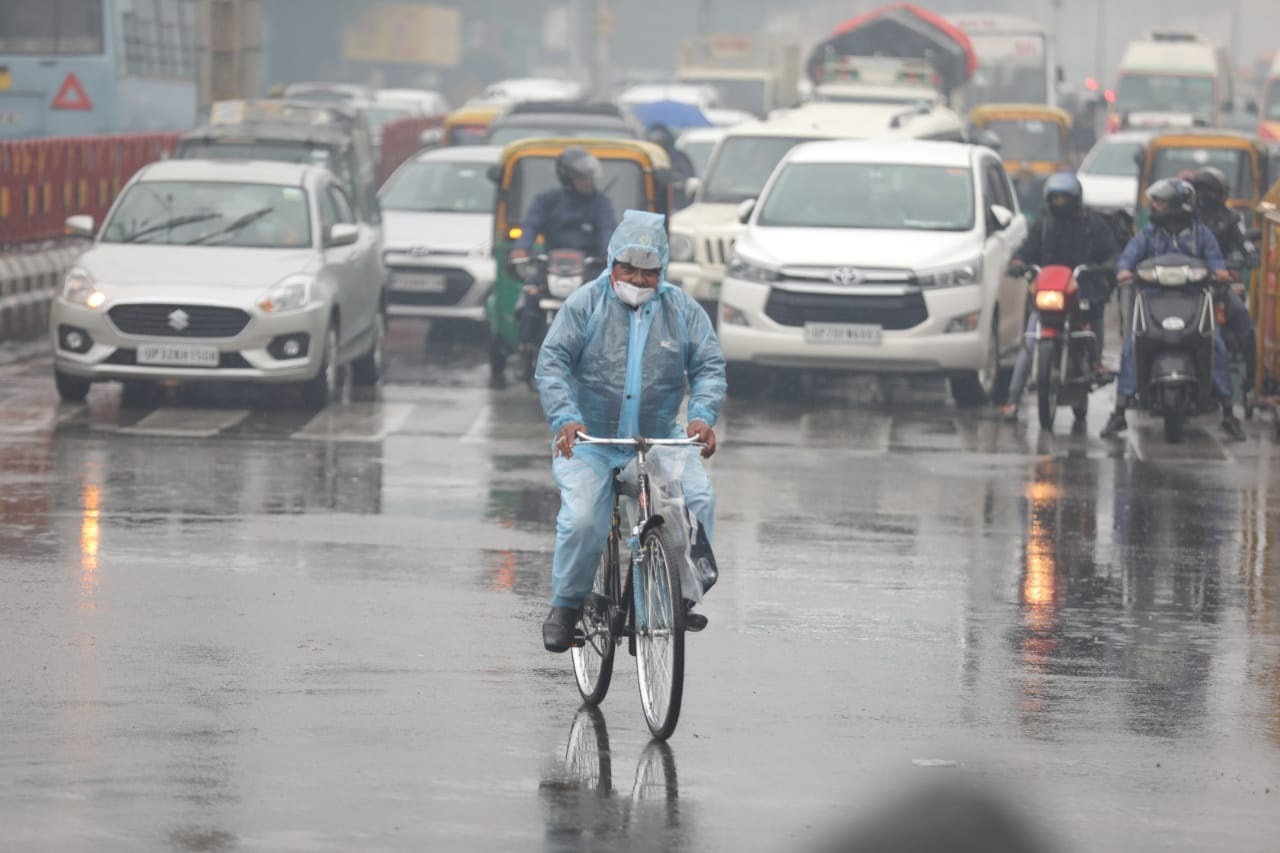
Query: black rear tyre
71	389
367	369
1046	383
1174	416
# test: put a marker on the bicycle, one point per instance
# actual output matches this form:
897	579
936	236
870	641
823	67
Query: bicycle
644	605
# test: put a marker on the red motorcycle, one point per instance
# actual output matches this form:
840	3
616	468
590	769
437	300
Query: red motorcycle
1066	346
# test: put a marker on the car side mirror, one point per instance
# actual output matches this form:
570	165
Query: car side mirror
342	234
745	210
495	173
691	186
1001	215
80	226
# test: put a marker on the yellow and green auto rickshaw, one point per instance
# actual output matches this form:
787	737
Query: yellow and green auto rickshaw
1249	163
637	176
1266	306
1034	142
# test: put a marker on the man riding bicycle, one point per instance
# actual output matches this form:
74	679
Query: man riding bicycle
616	363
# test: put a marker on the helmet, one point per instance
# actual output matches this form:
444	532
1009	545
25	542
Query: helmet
1211	185
661	135
1177	197
1064	184
574	163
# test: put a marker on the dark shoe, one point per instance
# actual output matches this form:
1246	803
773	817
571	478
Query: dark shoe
1116	424
1009	411
694	622
558	630
1231	426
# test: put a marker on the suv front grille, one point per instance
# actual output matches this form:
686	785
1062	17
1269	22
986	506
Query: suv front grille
179	321
790	308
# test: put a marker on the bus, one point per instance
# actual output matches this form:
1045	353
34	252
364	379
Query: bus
90	67
1016	61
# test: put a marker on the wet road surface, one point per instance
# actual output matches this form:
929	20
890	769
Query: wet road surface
233	625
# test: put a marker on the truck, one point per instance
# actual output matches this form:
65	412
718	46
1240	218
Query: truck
751	73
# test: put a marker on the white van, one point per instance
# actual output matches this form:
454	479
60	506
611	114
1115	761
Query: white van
1172	79
1269	110
702	234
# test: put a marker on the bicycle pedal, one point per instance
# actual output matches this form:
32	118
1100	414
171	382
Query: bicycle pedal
579	640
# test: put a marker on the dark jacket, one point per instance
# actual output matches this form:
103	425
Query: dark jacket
1083	238
1227	226
569	220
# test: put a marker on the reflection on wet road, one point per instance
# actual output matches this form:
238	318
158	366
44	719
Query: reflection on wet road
234	625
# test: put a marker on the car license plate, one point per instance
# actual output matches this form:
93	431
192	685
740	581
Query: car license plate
175	355
841	333
426	283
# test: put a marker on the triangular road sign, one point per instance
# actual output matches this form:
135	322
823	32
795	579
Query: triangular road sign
71	96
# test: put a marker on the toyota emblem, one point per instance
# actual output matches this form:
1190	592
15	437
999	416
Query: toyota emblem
846	275
420	251
179	320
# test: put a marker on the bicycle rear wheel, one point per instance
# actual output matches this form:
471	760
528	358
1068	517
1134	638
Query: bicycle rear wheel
659	632
593	660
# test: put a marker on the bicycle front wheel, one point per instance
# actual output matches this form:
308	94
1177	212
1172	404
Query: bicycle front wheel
593	660
659	631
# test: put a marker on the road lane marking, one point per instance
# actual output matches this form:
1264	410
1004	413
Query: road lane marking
479	431
187	423
355	422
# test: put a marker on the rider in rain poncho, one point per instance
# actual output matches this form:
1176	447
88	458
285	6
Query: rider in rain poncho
616	363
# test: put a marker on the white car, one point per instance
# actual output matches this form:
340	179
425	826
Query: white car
1109	172
437	219
697	144
421	101
882	257
702	234
217	270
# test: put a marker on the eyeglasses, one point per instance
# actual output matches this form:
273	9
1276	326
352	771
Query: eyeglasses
627	271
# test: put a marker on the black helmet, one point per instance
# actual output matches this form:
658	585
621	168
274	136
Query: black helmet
1064	185
1211	185
1177	197
574	163
661	135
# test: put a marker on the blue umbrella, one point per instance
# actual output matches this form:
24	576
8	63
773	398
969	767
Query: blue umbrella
676	115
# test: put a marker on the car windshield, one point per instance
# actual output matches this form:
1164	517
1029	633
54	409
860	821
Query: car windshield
1113	159
699	153
192	213
1165	93
743	165
440	186
1235	163
888	196
514	133
624	183
1024	139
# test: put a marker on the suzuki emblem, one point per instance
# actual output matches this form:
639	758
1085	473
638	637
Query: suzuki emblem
179	320
846	275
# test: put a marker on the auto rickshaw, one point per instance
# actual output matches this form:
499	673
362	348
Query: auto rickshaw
469	125
1266	307
637	176
1034	142
1250	164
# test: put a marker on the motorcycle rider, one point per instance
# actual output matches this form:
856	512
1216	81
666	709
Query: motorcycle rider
576	215
1174	229
681	165
1068	234
616	363
1228	226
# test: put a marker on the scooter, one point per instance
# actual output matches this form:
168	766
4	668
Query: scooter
1173	336
550	278
1066	348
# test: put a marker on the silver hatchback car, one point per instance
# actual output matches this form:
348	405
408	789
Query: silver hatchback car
217	270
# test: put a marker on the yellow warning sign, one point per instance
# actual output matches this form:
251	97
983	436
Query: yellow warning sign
405	33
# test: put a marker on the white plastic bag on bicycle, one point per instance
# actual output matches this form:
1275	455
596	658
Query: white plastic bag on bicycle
698	570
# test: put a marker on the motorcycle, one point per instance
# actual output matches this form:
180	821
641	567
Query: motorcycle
549	278
1066	348
1173	340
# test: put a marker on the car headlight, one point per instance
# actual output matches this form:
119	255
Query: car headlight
956	275
79	288
743	268
290	294
681	248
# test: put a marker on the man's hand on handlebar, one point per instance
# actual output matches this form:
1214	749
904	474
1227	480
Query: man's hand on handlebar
566	437
705	434
1223	275
1124	277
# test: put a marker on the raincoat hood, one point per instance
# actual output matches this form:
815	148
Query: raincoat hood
640	239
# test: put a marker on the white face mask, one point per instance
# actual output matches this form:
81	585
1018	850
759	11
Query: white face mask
633	294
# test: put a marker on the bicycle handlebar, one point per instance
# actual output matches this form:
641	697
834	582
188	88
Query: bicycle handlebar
583	438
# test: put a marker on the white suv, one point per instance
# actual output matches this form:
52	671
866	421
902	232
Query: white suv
883	257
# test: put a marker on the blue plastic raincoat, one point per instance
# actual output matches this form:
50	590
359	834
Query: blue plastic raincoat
623	372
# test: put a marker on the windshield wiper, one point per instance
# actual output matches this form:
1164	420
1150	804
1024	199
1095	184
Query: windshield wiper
234	226
168	224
